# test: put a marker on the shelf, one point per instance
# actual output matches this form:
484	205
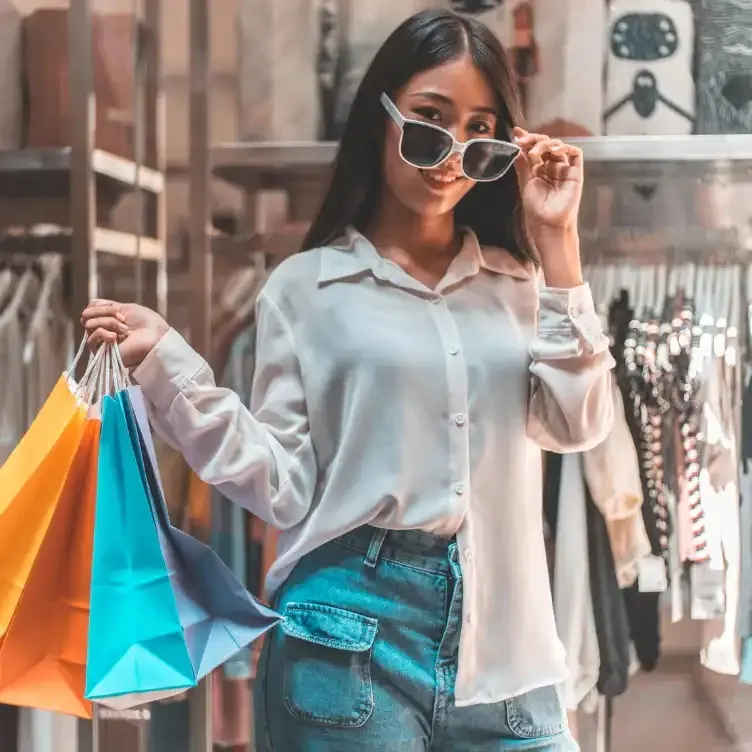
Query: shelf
663	149
251	165
45	173
54	239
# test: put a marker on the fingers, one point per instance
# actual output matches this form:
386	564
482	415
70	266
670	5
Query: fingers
101	336
104	322
102	308
539	145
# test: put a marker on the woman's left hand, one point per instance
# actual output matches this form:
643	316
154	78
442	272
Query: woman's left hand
550	174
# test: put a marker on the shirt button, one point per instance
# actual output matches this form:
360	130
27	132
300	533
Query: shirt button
460	420
574	312
468	555
453	351
469	619
436	300
459	489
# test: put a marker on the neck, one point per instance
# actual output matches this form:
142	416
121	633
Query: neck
402	235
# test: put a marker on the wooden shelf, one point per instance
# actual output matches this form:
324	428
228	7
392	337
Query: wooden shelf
54	239
45	173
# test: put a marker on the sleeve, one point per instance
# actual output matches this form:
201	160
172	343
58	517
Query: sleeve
570	407
260	458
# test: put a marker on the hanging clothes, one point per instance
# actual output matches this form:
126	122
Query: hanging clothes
720	492
611	622
573	601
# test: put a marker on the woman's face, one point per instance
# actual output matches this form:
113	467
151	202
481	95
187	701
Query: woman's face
457	97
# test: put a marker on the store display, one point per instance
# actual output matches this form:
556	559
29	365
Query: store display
724	76
47	61
649	75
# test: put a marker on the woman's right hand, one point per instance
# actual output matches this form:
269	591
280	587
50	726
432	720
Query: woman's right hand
137	329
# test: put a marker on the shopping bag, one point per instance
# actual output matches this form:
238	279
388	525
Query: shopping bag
218	615
31	481
43	655
136	652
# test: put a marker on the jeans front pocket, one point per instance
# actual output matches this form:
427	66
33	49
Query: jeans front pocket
327	664
536	714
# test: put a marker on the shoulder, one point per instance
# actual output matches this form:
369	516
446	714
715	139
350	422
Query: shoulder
293	284
501	261
296	275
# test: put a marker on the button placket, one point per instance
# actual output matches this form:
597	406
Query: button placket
457	407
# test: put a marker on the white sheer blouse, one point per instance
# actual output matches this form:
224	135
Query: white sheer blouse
379	401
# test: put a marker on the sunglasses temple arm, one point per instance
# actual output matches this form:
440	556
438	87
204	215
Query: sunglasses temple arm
390	107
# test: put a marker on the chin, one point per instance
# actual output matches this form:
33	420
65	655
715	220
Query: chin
430	205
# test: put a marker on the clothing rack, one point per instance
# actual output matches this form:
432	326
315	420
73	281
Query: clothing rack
71	190
59	200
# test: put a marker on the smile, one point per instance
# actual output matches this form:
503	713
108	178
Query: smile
437	179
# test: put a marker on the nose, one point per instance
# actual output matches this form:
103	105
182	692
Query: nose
452	164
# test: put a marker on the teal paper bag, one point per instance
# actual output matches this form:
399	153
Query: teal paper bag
219	617
137	651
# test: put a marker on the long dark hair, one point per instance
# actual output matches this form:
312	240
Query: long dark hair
425	40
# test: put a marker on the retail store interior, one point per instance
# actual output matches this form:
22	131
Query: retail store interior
173	152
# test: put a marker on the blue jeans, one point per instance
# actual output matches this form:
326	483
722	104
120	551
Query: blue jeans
366	658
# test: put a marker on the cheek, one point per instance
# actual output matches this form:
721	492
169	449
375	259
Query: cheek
401	178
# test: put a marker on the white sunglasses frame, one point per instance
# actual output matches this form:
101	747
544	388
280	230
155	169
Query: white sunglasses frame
457	146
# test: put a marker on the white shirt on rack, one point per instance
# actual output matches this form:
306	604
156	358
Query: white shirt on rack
379	401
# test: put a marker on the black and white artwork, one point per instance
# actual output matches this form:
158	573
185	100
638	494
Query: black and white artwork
475	6
649	78
724	66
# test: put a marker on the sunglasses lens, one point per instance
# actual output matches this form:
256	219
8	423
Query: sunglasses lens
488	160
423	146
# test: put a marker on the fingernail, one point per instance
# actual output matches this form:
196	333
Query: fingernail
121	316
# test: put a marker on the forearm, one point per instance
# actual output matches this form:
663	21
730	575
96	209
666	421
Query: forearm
559	250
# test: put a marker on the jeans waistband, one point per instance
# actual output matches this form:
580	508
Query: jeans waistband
410	547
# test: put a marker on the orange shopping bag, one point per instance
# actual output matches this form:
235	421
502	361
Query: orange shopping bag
31	481
43	654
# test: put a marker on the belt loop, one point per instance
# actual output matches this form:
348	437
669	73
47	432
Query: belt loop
372	557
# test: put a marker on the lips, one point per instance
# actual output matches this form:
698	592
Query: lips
439	180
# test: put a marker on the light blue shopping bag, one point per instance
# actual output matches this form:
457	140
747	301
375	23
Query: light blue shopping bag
137	651
218	615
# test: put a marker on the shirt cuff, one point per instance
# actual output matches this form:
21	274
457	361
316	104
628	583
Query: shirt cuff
568	321
166	370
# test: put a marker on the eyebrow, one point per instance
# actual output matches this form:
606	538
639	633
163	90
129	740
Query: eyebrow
436	97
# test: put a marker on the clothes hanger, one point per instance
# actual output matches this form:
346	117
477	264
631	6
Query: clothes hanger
23	294
6	285
52	270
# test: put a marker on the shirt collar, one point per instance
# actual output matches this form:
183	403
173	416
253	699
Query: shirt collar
354	255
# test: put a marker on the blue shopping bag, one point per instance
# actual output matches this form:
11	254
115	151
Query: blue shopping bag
218	615
137	651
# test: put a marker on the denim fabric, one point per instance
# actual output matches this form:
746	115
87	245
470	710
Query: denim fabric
366	658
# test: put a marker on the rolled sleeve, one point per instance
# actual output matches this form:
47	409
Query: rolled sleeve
570	399
568	324
167	369
261	458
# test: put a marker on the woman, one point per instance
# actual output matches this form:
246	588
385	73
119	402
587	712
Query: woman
408	373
